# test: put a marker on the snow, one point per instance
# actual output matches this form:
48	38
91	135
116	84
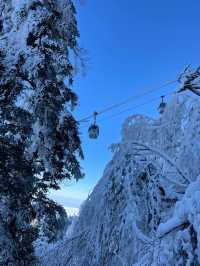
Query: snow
72	211
23	100
185	209
145	210
165	228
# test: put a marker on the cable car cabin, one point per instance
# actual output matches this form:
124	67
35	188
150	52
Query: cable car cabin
93	131
162	106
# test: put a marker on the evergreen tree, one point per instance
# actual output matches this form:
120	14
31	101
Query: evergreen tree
39	139
52	220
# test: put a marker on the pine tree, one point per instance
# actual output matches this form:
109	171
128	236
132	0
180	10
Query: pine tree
52	220
39	139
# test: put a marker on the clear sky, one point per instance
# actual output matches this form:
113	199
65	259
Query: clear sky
132	46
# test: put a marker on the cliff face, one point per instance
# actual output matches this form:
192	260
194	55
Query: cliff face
145	209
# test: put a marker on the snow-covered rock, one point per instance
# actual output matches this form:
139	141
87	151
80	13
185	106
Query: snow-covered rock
145	209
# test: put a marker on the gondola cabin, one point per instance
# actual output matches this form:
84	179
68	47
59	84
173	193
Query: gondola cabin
162	106
93	131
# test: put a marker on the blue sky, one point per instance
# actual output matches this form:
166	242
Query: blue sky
131	46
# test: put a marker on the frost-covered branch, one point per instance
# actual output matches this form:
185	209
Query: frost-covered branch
190	80
164	156
170	226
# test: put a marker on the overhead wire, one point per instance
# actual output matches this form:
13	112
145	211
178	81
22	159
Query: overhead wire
125	102
134	107
130	109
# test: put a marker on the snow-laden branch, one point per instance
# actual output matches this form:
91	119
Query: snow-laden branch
170	226
190	80
175	182
139	234
164	156
195	91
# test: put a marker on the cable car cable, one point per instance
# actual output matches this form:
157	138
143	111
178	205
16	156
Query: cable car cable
130	109
130	99
135	107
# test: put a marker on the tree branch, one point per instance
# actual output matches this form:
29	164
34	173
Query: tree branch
165	157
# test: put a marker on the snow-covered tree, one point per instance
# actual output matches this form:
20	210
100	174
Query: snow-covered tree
190	80
145	209
52	220
39	139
